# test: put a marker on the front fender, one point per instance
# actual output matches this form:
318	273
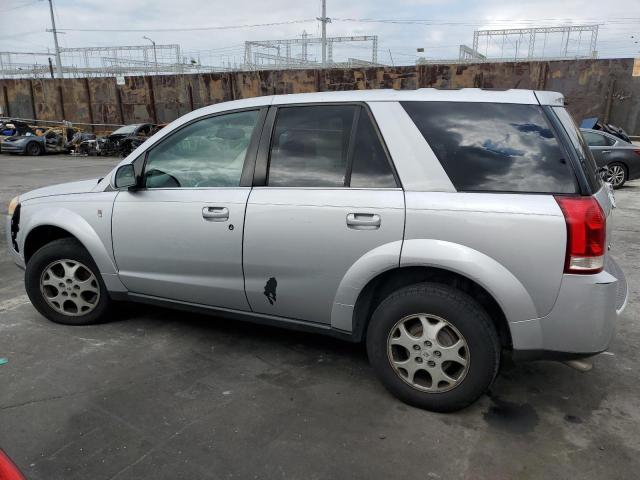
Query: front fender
506	289
67	219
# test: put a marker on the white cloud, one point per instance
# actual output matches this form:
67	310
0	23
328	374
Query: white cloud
440	40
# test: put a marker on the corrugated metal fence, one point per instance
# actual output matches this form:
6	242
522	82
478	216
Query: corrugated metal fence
602	88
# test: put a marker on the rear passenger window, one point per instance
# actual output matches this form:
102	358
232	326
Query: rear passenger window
371	167
310	146
596	140
490	147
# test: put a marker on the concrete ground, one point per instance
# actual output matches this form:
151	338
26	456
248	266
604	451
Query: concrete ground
161	394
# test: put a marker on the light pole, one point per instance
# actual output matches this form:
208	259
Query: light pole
55	41
324	19
155	58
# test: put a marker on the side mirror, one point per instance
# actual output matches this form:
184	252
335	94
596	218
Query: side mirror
125	177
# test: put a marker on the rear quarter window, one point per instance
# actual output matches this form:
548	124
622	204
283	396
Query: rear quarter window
493	147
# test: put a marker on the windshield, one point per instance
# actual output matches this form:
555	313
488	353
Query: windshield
580	146
125	130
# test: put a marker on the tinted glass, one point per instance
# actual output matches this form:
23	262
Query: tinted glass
310	146
371	168
580	146
595	139
207	153
492	147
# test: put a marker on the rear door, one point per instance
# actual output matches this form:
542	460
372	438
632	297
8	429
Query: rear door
324	195
600	146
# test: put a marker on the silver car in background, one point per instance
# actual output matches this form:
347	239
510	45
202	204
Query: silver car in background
443	228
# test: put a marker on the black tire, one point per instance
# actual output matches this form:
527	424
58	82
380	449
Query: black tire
33	149
622	169
65	248
460	311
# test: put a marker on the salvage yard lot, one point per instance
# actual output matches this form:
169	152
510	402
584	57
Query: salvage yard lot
164	394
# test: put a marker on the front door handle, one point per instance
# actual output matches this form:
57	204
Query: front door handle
215	214
606	151
363	221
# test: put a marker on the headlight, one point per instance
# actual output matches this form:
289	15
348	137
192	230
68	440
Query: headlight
13	204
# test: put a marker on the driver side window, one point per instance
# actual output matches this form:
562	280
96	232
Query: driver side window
207	153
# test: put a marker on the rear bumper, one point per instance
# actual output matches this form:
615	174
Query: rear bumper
582	321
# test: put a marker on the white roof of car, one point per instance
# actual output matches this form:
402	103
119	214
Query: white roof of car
529	97
518	96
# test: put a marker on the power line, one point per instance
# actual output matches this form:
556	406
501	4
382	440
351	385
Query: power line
425	22
186	29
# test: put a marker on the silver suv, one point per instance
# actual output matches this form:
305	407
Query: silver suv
443	228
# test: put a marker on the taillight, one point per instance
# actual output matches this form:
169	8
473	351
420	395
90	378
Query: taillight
8	470
637	152
586	234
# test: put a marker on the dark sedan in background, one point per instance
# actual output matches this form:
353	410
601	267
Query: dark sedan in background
619	160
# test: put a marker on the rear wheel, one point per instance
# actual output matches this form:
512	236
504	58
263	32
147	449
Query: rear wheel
64	284
33	149
616	174
433	346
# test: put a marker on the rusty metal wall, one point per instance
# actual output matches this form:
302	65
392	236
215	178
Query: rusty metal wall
603	88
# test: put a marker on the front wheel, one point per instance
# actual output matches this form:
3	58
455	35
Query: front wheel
433	346
34	149
64	284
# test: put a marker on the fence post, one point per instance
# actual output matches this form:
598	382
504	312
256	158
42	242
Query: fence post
33	100
152	99
88	90
119	102
6	101
61	100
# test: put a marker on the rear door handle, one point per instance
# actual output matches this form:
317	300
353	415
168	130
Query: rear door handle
215	214
606	151
363	221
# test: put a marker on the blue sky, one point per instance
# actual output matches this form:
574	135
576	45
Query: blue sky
449	24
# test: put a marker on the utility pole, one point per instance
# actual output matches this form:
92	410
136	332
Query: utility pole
155	57
324	19
55	41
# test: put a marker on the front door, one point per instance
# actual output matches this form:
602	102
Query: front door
330	196
179	237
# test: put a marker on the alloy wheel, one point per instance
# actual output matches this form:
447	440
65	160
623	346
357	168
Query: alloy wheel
615	175
428	353
70	287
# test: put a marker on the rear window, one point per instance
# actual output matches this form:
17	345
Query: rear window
581	148
493	147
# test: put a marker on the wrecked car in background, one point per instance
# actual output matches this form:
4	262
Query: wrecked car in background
594	123
124	140
10	128
39	140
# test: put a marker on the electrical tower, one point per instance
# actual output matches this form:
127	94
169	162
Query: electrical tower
277	54
532	44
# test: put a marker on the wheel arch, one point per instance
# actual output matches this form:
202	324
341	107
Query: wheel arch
47	224
621	161
400	263
41	235
382	285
